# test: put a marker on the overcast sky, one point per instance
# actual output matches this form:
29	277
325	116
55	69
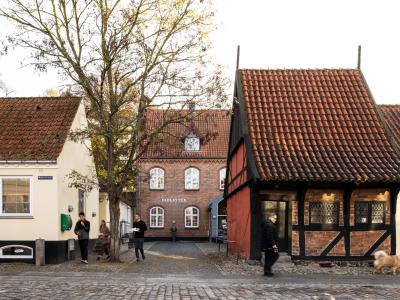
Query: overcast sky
282	34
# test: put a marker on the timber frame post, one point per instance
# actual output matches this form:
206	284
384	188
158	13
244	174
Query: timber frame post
348	191
301	195
393	207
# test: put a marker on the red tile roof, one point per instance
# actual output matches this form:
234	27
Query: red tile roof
392	117
316	125
212	127
35	128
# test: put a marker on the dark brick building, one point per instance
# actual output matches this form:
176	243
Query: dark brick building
312	146
182	173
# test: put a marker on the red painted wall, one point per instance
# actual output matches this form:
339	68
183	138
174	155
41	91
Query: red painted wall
239	220
237	163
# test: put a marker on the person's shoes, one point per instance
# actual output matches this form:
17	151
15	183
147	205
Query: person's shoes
137	259
269	274
98	258
143	257
108	257
85	262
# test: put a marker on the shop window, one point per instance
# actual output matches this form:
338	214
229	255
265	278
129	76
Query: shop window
192	144
222	176
192	179
191	217
15	196
372	212
324	213
156	179
16	252
157	217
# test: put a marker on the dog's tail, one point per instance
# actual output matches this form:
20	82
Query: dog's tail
379	254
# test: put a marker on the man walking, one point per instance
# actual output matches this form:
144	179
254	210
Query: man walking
270	243
82	229
139	227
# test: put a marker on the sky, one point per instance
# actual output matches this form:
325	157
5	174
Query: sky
287	34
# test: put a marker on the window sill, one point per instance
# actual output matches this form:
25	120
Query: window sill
192	228
156	190
16	217
192	190
157	227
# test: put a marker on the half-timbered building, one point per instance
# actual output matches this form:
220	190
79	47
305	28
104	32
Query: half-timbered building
313	147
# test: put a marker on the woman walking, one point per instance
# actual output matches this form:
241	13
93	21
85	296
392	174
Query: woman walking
105	238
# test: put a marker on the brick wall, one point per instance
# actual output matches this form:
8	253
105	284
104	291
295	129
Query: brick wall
174	188
360	241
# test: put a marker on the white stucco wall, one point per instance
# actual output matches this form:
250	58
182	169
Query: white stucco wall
44	220
76	156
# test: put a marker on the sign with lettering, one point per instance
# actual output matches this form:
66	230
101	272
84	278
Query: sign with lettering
45	177
173	200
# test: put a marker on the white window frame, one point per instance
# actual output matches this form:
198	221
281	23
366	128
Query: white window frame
191	215
30	214
192	171
222	181
153	172
193	147
157	215
16	256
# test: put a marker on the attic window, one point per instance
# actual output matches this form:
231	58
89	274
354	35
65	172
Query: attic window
192	144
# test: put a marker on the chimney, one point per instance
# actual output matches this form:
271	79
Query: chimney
359	57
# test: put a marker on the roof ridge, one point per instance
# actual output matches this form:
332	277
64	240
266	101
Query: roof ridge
41	98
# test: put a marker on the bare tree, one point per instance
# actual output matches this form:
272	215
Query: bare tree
123	56
5	89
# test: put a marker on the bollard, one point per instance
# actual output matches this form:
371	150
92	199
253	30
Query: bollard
39	252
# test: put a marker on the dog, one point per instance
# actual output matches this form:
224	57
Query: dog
383	260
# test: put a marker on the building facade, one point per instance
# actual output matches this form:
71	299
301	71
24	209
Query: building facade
314	148
36	157
182	173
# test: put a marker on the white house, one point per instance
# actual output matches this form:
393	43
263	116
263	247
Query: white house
36	155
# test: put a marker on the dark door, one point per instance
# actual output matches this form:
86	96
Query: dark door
280	208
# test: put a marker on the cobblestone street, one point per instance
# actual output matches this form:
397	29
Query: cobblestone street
127	286
182	271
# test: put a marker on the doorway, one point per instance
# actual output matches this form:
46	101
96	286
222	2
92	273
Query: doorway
281	209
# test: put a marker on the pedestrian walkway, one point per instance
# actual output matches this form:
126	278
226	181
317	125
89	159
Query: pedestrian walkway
171	258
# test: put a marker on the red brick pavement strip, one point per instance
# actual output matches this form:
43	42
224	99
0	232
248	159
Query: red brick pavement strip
39	285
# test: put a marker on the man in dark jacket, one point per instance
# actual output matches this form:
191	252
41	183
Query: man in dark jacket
270	243
139	227
82	229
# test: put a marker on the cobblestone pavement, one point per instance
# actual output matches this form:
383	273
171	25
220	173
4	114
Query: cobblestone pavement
77	285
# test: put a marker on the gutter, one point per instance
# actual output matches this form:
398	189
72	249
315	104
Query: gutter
29	162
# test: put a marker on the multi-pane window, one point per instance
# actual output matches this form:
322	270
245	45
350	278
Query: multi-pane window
157	217
222	176
192	179
191	217
371	212
15	195
192	144
157	179
324	213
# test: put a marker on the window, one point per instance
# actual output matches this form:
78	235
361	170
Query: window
222	176
157	179
157	217
191	217
15	196
324	213
192	144
192	179
372	212
16	252
81	201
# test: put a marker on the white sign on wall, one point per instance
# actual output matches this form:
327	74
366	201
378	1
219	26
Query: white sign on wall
173	200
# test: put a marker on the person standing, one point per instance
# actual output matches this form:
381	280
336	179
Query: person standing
270	243
139	227
82	229
173	231
105	238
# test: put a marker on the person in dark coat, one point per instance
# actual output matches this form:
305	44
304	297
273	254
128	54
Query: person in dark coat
139	227
270	243
82	229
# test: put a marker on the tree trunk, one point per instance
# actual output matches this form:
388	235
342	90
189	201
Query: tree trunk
114	227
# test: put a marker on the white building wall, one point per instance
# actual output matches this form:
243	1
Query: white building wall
44	219
76	156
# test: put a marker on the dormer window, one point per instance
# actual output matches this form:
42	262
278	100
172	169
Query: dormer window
192	144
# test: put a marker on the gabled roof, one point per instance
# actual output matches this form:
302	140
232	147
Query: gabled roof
211	126
316	125
33	129
392	117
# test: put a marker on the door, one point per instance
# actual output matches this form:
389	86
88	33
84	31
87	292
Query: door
280	208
